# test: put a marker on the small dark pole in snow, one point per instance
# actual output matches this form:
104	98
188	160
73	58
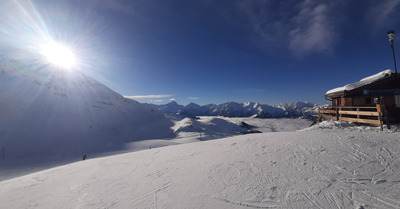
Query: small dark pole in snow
200	132
391	35
84	157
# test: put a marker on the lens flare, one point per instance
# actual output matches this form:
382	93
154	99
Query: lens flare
59	33
59	55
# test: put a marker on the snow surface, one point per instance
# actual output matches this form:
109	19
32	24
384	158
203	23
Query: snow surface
185	130
362	82
331	165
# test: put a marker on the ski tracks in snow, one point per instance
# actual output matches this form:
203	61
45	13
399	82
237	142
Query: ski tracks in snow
352	177
337	174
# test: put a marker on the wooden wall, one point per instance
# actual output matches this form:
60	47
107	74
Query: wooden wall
388	100
391	112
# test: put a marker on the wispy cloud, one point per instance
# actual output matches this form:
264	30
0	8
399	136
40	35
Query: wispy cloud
378	15
156	100
262	18
149	96
303	27
314	31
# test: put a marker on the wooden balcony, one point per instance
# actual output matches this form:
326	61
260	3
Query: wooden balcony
367	115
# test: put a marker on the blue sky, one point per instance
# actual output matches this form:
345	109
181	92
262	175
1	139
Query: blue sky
265	51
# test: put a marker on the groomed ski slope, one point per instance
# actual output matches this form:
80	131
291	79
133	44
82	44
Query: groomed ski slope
332	165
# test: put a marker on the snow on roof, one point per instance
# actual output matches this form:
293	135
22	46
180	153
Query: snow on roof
362	82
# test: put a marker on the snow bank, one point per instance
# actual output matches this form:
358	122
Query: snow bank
351	127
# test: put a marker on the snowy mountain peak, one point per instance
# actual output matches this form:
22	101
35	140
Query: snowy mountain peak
67	111
192	106
172	103
234	109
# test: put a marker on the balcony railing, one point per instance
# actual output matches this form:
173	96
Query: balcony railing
367	115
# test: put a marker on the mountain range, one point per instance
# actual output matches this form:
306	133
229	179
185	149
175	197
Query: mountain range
234	109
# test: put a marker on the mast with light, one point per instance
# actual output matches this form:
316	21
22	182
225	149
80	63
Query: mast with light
391	35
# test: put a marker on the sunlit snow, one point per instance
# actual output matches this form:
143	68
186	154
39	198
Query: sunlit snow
332	165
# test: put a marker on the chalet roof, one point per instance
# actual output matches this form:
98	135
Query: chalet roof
340	91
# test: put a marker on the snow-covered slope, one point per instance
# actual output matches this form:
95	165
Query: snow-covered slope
192	110
170	108
302	109
215	127
185	130
233	109
327	166
46	111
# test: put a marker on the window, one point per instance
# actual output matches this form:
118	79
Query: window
397	99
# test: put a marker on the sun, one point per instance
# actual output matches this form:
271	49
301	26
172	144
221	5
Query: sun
59	55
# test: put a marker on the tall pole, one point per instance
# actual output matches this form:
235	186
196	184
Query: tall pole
391	35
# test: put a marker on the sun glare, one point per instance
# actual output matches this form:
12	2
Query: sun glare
59	55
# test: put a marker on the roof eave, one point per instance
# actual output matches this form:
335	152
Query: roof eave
335	95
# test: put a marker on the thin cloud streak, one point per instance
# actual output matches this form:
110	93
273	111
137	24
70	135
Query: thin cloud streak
304	27
378	15
157	100
314	30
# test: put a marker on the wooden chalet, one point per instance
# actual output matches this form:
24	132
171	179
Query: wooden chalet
372	100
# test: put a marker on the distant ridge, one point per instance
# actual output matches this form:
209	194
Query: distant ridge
234	109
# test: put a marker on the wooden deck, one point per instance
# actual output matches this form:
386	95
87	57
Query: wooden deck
367	115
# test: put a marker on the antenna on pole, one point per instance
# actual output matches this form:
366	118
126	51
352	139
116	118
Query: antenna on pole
391	35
